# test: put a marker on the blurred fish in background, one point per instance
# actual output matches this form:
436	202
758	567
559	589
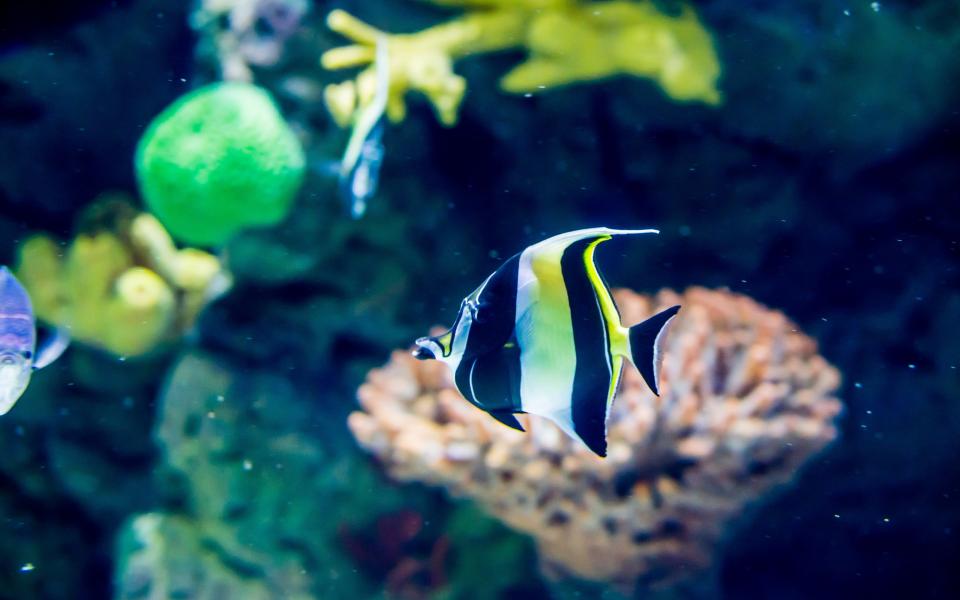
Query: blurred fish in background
20	353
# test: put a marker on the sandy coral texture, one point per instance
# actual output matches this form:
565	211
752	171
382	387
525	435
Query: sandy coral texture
746	399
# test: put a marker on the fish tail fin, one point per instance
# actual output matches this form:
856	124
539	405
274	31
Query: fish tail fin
646	341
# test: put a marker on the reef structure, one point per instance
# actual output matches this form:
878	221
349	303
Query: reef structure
745	400
121	285
567	42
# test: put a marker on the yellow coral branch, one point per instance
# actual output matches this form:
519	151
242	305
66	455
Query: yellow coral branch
421	62
568	41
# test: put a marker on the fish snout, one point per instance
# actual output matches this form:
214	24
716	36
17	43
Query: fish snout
423	351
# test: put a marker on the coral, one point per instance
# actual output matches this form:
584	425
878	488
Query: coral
126	290
219	159
247	33
745	400
567	42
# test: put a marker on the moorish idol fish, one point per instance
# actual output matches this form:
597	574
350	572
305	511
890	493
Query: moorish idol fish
360	167
19	355
543	336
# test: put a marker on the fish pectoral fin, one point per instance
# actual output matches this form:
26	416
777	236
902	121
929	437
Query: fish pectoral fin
507	418
646	341
53	343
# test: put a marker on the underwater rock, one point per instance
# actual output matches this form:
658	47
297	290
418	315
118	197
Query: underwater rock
163	557
266	490
745	400
219	159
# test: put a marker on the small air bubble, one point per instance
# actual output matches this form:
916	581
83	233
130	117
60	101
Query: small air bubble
27	567
247	465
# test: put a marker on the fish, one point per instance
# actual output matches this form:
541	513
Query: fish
542	335
20	353
359	173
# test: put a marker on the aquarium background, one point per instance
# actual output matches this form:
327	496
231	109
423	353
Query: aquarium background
825	185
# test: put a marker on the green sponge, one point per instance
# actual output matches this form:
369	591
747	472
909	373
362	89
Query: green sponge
217	160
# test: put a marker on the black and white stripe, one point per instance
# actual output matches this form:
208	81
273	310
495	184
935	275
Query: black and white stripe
594	360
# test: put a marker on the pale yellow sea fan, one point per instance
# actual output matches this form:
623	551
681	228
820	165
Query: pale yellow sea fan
745	400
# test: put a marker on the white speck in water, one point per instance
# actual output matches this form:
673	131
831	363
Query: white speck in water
743	281
247	465
846	12
27	567
220	398
541	87
836	516
211	415
875	6
857	385
886	519
911	366
869	412
528	95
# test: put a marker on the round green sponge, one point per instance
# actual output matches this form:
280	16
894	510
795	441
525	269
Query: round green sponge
217	160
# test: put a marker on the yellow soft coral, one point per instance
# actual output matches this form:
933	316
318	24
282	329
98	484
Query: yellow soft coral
126	291
567	42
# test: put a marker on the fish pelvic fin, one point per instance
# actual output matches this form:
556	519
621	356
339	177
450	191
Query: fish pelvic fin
507	418
646	342
51	346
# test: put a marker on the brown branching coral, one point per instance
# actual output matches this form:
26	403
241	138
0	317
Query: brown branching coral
745	400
